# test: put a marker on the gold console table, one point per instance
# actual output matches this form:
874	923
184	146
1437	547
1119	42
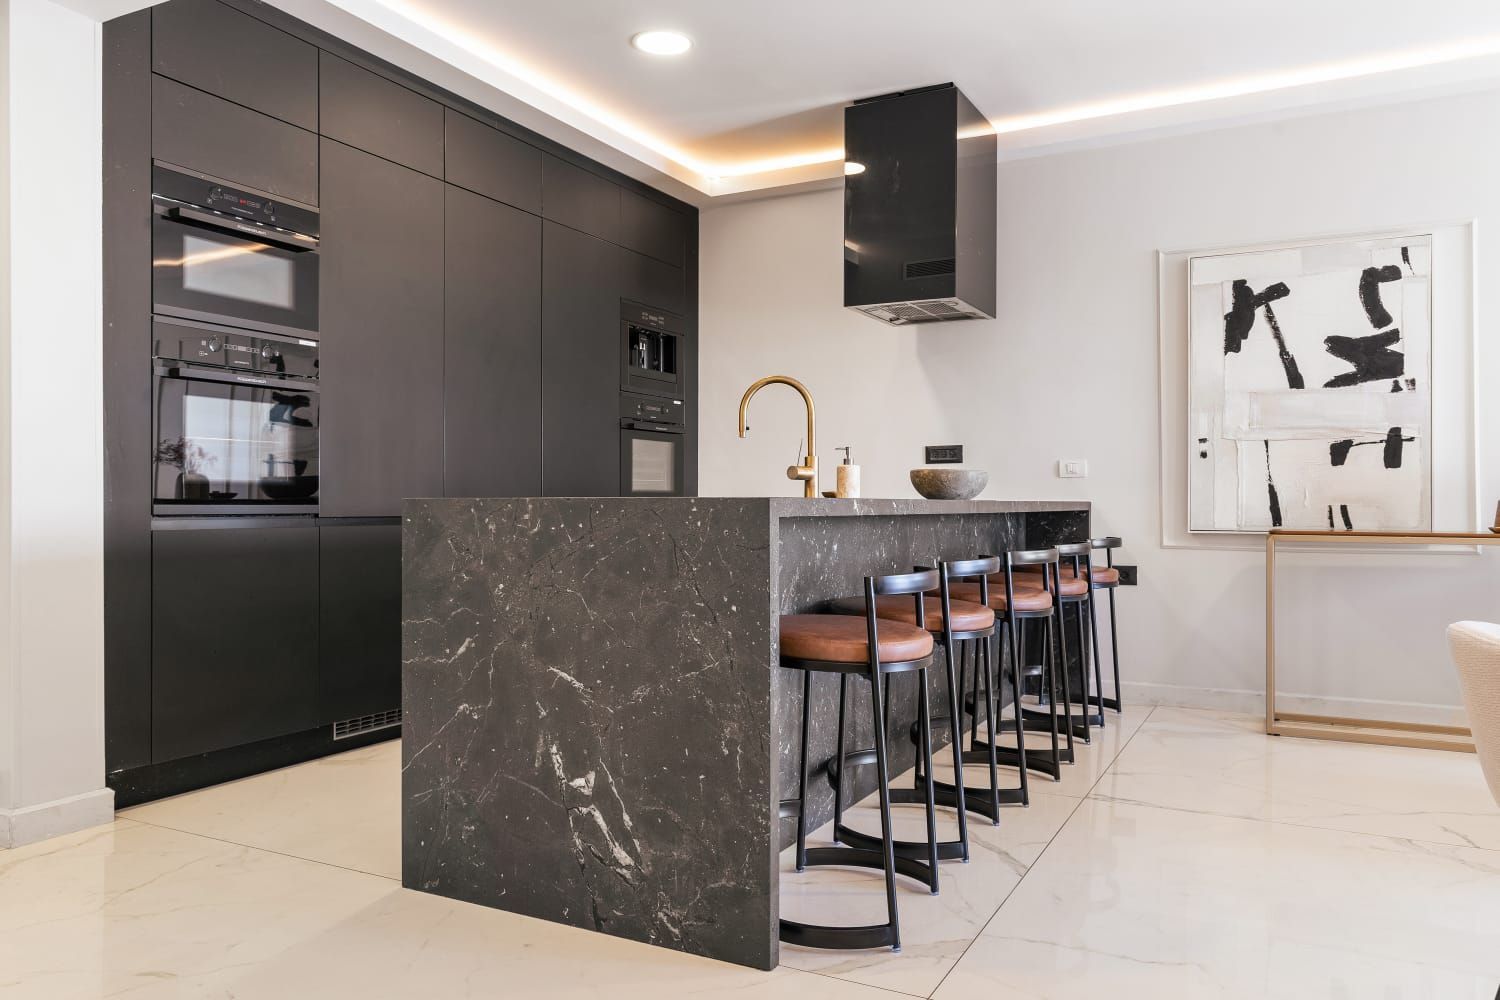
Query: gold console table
1329	727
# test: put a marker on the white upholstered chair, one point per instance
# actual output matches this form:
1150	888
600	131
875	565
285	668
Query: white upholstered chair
1476	652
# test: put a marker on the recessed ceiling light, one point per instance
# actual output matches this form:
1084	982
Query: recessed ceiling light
662	43
851	168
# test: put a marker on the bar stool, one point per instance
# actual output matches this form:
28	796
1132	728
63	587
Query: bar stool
1052	673
872	649
1106	578
1074	591
955	623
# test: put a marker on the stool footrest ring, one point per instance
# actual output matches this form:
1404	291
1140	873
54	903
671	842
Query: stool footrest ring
841	938
916	850
859	857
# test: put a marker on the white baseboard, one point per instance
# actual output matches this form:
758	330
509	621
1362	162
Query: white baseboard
30	824
1252	702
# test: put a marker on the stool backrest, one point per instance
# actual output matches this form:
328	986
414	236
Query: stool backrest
1108	543
1045	558
1078	554
1476	652
963	569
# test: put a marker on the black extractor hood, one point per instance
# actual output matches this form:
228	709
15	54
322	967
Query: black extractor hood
919	207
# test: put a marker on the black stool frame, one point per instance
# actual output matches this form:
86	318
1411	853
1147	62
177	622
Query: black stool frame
885	859
1108	543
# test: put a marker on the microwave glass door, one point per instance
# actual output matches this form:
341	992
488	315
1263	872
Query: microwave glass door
202	273
223	443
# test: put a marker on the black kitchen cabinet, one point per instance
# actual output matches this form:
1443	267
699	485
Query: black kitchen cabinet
580	199
365	110
230	54
213	136
381	319
652	228
487	161
359	615
234	637
650	282
581	354
492	349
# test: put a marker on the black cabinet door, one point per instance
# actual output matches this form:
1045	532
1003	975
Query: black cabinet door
369	112
215	48
492	349
359	634
650	282
381	320
201	132
652	229
581	353
234	637
488	161
579	199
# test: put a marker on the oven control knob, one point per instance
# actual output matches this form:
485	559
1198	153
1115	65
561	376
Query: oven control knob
213	345
268	352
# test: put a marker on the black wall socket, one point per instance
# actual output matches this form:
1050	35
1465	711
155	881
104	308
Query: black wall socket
1127	576
942	454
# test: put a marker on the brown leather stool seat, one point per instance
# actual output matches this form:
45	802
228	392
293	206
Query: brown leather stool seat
1099	576
1028	598
967	616
1070	586
844	639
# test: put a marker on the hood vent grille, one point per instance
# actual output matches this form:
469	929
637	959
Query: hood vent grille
927	268
924	311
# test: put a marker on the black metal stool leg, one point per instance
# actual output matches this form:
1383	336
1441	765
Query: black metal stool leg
838	777
925	717
1114	652
1095	720
1016	689
887	843
1067	694
802	773
1083	673
1049	672
956	728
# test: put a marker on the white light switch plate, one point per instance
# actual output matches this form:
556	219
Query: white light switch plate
1072	468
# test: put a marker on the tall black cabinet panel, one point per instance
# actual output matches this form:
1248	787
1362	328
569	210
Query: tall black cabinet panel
650	282
359	615
234	637
381	318
215	48
580	199
581	353
492	350
369	112
488	161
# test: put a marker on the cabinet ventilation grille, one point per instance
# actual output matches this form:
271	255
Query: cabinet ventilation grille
366	724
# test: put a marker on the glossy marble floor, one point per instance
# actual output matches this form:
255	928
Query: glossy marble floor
1186	855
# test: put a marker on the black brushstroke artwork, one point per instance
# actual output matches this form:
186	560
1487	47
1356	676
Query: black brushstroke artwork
1344	513
1395	385
1406	259
1369	293
1393	443
1241	317
1371	356
1275	501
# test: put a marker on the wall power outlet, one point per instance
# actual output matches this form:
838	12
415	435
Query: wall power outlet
1128	576
1072	468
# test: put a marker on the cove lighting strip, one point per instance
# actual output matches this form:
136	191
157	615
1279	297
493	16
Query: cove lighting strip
1244	86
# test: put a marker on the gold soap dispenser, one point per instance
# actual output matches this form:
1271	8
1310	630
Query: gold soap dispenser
848	477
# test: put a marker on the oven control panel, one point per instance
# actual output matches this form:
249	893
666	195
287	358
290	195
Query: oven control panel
225	348
637	409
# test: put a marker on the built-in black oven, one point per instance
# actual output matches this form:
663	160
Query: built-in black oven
235	421
653	446
653	356
231	255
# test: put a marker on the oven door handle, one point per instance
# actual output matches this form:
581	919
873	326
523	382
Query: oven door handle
650	428
284	238
229	377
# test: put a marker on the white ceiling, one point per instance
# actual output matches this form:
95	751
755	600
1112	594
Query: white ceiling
767	80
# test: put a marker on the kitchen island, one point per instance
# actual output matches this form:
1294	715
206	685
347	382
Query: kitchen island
595	728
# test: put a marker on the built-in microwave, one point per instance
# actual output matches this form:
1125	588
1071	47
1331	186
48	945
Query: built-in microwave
653	446
235	421
231	255
653	357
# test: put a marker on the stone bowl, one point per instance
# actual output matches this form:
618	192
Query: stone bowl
950	484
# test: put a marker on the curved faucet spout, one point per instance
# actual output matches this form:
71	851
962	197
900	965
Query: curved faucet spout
807	472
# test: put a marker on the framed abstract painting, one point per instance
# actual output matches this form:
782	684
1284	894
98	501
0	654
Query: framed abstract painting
1309	387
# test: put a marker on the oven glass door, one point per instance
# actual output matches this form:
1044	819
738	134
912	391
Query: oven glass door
221	443
203	273
651	462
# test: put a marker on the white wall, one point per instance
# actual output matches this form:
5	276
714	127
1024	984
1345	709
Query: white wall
1069	370
51	432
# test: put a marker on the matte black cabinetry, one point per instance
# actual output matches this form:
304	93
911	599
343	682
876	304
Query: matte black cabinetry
213	136
652	228
215	48
234	637
381	316
367	111
581	351
580	199
488	161
492	349
359	615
